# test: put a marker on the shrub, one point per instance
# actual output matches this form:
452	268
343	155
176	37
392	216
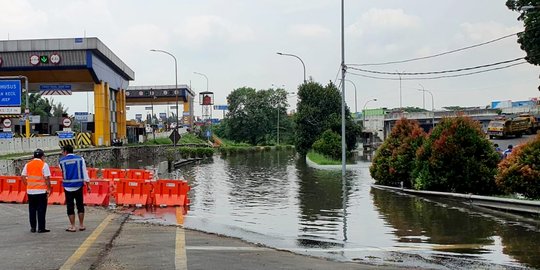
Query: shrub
328	144
456	157
520	171
394	159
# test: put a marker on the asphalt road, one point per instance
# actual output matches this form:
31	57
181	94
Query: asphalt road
121	240
503	143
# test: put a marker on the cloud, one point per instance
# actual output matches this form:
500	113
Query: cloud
384	20
486	30
199	30
309	30
20	15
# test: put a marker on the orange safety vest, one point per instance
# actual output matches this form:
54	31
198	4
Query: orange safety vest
34	175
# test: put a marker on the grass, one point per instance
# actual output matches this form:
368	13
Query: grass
324	160
189	138
158	141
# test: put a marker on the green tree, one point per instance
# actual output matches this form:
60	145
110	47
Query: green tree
456	157
530	38
329	144
58	109
319	109
38	105
253	115
394	160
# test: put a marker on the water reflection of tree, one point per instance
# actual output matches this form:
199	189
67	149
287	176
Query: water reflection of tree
414	219
521	244
321	207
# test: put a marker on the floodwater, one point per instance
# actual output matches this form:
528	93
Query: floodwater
274	199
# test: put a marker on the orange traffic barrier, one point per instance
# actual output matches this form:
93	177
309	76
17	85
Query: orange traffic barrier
99	192
138	174
133	192
171	193
56	171
113	173
92	172
57	191
12	189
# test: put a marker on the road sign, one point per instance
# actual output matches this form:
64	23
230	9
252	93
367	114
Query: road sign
6	135
34	60
138	116
44	59
175	136
162	115
55	58
65	135
82	116
7	122
66	122
221	107
148	108
10	93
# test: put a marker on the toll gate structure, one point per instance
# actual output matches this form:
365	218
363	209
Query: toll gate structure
68	65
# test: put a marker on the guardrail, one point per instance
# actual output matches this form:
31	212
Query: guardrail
513	205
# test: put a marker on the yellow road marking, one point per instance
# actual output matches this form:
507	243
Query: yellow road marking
86	244
180	258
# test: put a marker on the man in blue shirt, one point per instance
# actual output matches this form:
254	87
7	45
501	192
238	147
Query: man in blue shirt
508	151
74	176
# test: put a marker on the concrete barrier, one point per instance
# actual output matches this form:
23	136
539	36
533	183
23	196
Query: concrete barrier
27	145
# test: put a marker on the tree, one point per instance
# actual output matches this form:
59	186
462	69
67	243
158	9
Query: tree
394	160
58	109
530	38
319	109
38	105
520	172
253	115
456	157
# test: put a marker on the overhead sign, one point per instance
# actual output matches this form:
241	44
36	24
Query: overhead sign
55	89
162	115
6	122
221	107
138	116
66	122
10	110
148	108
6	135
186	114
10	93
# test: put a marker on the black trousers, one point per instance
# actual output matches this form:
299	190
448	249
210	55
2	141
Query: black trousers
37	206
76	196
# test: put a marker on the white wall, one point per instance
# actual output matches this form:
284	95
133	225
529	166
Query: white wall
24	145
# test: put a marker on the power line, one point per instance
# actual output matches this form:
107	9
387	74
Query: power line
438	72
437	55
438	77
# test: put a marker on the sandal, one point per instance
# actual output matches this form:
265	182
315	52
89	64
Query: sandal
71	230
82	228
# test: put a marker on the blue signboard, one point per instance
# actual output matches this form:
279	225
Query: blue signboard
221	107
55	87
6	135
65	135
138	116
10	93
162	115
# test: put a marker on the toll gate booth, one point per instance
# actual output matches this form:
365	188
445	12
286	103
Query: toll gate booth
71	65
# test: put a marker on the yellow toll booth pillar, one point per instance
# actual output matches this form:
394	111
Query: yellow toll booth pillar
102	135
121	114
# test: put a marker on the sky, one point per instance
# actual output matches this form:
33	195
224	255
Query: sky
235	42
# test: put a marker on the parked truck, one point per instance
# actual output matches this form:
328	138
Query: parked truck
503	128
533	124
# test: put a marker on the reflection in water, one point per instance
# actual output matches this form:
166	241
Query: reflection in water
273	198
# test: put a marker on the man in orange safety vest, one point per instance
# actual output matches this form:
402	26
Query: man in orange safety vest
35	175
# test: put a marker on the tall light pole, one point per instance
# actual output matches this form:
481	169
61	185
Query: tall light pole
364	111
432	106
292	55
198	73
423	97
343	71
175	85
355	96
400	96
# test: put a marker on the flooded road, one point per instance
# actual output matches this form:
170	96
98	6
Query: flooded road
274	199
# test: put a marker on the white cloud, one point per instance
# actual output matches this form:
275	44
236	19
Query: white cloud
309	30
20	15
198	30
486	30
384	20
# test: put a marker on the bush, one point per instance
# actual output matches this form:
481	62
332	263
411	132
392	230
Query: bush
394	159
520	171
456	157
328	144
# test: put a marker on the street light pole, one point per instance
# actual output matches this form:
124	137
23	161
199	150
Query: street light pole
198	73
400	96
423	96
303	65
364	111
432	106
355	96
175	86
343	71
